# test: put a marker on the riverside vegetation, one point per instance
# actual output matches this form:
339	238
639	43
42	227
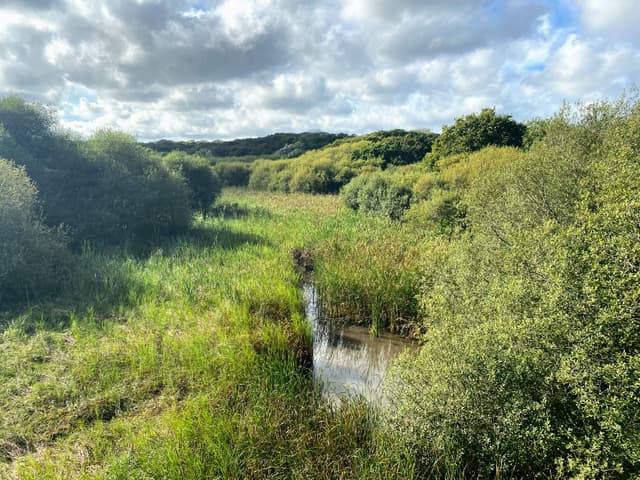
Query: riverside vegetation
146	334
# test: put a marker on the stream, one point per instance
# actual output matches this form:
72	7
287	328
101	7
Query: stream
347	359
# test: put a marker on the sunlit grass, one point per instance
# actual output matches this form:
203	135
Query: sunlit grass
188	361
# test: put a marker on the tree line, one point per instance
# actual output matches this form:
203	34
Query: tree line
58	192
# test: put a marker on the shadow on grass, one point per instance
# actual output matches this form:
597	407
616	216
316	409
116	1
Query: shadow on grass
236	210
218	236
197	237
104	282
99	286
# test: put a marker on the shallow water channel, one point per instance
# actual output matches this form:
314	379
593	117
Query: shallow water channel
347	359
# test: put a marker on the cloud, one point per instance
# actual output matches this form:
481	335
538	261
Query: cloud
32	4
589	68
223	68
616	19
409	29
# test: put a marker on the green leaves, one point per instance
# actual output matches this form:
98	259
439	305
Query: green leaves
378	194
32	256
476	131
203	182
531	358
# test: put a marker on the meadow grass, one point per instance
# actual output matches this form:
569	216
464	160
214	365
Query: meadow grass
188	359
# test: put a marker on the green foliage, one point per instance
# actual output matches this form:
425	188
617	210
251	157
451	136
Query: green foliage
530	363
33	257
271	176
278	145
330	168
426	185
233	174
106	189
378	194
536	131
28	124
444	213
136	195
397	147
204	184
476	131
601	370
319	176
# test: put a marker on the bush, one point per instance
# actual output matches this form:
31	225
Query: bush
106	189
203	182
316	177
233	174
473	132
136	194
379	194
427	184
443	213
33	257
531	360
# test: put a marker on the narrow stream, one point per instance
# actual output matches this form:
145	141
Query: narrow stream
347	359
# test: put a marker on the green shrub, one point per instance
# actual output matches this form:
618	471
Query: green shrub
426	184
272	175
203	182
328	169
379	194
106	189
476	131
137	195
233	174
443	213
316	177
531	360
33	257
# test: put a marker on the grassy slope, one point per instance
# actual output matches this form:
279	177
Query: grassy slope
186	363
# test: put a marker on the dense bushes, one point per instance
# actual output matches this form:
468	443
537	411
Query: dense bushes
378	194
397	147
136	195
106	189
233	174
204	184
473	132
278	145
329	169
531	360
33	259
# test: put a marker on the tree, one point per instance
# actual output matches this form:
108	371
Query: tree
203	182
476	131
136	194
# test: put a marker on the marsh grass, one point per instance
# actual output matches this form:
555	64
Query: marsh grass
188	361
370	274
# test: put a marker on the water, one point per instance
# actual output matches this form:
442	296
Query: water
347	359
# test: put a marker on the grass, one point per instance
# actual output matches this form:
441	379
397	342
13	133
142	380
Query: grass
190	360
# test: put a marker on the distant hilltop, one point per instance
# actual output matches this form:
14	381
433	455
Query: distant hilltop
277	145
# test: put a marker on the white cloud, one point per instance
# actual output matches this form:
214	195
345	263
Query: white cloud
224	68
583	67
614	18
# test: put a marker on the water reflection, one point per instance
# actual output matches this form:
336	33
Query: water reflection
347	359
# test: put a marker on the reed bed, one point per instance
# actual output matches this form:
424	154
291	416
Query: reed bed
186	359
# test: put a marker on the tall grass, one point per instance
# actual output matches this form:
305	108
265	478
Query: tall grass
370	274
189	361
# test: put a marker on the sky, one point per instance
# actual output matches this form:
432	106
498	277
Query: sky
222	69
